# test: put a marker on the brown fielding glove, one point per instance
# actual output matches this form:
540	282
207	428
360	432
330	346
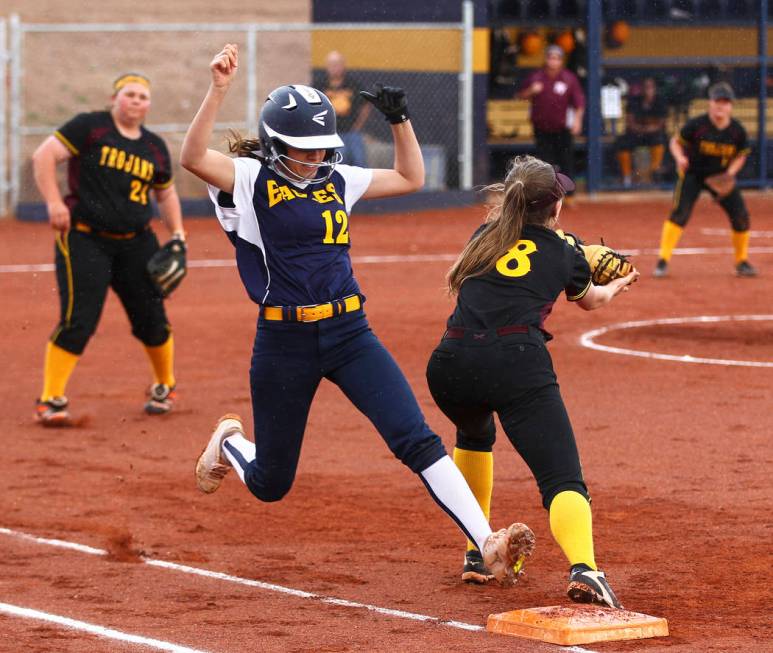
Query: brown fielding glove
606	264
722	184
167	267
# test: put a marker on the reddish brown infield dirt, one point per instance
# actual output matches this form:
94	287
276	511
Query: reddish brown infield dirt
677	457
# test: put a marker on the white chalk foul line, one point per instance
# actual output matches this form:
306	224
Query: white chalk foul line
587	339
197	571
401	258
753	233
99	631
230	263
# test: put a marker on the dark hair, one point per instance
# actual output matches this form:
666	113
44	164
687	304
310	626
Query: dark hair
528	195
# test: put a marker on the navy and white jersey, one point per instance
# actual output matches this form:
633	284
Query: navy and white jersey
292	241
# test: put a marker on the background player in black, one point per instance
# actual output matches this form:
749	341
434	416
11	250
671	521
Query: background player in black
645	123
104	239
707	145
493	358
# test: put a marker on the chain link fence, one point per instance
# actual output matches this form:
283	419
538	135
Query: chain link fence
59	70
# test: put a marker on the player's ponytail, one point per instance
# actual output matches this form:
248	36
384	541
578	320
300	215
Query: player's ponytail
527	186
246	147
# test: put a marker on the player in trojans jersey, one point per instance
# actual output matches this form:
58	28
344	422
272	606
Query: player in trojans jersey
285	205
493	359
115	165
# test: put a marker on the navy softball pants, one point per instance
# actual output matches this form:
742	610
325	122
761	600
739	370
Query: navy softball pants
290	359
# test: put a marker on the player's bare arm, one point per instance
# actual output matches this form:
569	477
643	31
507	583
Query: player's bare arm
44	161
598	296
210	165
736	165
407	174
170	210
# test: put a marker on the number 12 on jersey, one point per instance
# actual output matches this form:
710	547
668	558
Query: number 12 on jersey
516	262
342	238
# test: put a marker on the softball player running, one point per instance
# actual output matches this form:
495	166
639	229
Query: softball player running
285	204
493	358
104	238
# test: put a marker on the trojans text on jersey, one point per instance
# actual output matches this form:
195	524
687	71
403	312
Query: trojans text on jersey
112	157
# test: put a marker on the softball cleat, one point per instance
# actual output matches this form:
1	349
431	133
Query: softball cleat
505	551
161	399
53	412
474	571
212	465
591	586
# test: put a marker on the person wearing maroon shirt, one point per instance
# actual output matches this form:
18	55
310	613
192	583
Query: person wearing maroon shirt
557	108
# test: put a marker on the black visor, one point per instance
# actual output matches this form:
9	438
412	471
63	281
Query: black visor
563	186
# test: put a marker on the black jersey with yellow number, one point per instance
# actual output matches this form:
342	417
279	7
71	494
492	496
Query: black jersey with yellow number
110	175
710	149
524	284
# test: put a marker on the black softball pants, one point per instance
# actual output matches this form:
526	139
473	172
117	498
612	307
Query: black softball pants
86	266
686	192
483	373
556	148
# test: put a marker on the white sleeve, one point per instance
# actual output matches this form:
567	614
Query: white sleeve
240	217
356	181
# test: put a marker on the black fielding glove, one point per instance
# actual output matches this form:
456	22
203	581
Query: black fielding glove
389	100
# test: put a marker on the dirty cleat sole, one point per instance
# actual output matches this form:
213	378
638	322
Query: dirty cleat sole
505	552
212	466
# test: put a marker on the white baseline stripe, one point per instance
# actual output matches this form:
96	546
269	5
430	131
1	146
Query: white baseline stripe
196	571
401	258
100	631
587	339
710	231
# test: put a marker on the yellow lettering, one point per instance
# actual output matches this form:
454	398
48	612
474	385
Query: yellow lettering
274	193
137	166
111	159
144	171
121	159
332	190
321	196
286	193
298	193
105	152
129	162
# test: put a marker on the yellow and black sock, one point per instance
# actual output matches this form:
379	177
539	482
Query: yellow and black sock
59	365
162	361
669	238
477	467
572	526
741	245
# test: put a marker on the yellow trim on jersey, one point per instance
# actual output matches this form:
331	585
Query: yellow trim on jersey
743	152
63	139
64	247
163	186
576	298
678	190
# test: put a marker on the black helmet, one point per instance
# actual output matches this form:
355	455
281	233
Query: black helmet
301	117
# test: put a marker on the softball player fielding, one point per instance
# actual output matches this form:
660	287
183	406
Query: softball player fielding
104	238
710	144
285	204
493	358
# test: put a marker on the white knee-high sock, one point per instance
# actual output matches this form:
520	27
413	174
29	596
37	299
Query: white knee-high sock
451	492
240	452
